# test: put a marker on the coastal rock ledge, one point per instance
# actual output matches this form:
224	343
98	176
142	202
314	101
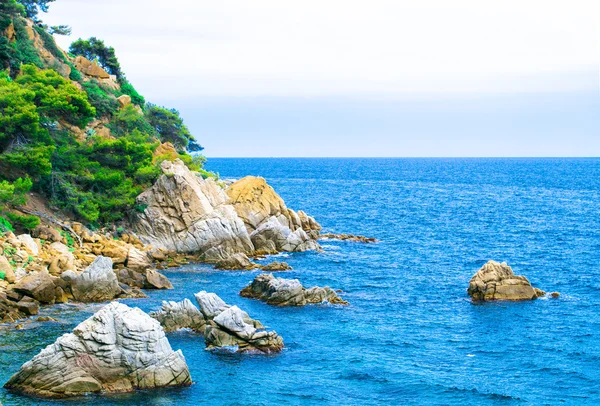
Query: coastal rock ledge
118	349
497	281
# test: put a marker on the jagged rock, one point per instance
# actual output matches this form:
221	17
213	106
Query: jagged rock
210	304
276	266
38	285
9	312
138	259
268	220
495	281
6	267
237	261
118	349
186	213
230	329
177	315
97	283
272	233
288	292
130	277
156	280
29	244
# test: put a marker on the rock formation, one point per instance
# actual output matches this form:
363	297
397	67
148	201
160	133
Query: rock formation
288	292
97	283
177	315
231	329
237	261
276	266
271	225
118	349
222	325
186	213
495	281
347	237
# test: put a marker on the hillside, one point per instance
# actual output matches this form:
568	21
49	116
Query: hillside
74	132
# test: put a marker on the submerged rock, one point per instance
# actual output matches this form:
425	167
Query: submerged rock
288	292
231	329
97	283
186	213
118	349
348	237
496	281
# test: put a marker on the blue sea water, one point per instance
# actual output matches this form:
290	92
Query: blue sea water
410	335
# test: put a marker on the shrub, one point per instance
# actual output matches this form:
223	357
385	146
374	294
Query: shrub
128	89
26	221
105	104
5	226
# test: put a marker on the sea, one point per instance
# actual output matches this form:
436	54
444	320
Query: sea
410	335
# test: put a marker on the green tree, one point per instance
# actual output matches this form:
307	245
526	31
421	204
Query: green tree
169	126
33	7
95	50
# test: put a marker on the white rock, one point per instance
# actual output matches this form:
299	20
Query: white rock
118	349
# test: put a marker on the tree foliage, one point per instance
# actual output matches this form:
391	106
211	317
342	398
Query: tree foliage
94	49
169	126
33	7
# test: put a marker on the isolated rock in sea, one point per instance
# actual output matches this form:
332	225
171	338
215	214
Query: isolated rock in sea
177	315
231	329
185	213
97	283
118	349
210	304
496	281
272	226
288	292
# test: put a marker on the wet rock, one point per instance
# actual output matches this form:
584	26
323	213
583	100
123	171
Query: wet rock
496	281
177	315
288	292
118	349
230	329
43	319
97	283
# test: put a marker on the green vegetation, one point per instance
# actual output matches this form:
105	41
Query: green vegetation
46	143
95	50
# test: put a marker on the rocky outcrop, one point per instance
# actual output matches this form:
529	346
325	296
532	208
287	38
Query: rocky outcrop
222	325
186	213
288	292
271	225
156	280
90	68
118	349
97	283
231	329
37	285
496	281
177	315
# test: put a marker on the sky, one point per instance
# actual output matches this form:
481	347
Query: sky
399	78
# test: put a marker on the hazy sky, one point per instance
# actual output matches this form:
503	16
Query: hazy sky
362	78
